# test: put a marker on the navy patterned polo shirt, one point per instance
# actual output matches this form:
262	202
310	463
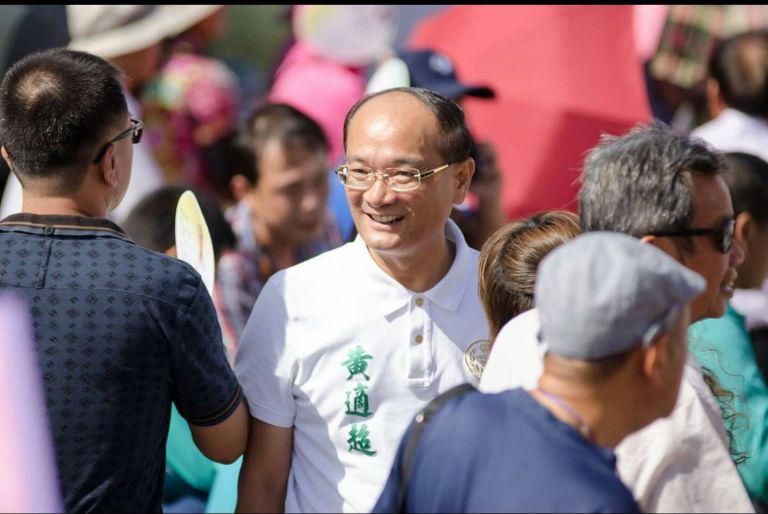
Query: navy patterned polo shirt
121	331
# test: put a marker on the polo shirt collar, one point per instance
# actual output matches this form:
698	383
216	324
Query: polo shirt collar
62	224
390	295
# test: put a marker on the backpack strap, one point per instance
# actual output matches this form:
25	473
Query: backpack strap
421	420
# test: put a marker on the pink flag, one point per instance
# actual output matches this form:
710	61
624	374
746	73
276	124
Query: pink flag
28	480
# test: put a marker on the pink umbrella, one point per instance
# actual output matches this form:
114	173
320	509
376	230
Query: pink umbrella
28	481
563	74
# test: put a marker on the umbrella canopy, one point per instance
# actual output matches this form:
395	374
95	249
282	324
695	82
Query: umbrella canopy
563	74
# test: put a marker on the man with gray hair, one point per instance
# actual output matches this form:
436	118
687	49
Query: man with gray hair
666	190
614	313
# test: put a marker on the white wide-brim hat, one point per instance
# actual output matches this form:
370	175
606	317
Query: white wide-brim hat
114	30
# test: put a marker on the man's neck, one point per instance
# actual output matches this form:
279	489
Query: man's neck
420	272
282	253
52	205
605	409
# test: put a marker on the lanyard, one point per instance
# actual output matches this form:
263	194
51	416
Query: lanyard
582	425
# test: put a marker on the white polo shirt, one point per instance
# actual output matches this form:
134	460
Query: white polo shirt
680	463
346	355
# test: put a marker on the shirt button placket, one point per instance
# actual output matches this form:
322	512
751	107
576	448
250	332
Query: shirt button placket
418	351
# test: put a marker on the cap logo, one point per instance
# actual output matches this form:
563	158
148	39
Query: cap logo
440	64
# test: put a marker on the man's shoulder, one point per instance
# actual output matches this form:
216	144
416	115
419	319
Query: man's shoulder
516	355
473	409
329	267
709	130
147	273
734	130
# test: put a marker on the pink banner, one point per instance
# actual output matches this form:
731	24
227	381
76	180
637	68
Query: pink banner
28	480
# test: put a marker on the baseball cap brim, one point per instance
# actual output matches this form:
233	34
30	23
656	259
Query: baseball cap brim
455	90
480	92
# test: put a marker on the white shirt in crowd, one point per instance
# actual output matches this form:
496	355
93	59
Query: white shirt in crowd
680	463
146	176
346	355
735	131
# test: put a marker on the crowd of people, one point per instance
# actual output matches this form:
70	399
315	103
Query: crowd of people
379	338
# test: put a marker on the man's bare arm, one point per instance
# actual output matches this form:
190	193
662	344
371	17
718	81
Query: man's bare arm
225	441
264	475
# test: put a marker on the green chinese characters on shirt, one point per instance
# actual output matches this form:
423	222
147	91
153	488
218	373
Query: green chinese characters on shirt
358	440
358	406
356	362
356	402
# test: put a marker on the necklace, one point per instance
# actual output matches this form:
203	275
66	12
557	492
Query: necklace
582	425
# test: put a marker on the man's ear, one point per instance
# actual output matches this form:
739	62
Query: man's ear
6	157
745	225
239	185
463	175
665	244
108	167
654	360
715	103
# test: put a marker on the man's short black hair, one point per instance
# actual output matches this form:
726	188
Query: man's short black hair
56	106
739	65
152	222
747	180
295	131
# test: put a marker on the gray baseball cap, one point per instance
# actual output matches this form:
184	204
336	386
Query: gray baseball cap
603	293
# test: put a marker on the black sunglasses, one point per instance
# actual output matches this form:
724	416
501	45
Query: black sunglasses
135	131
723	234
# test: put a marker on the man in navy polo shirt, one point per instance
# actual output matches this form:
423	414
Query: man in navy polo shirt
120	331
614	312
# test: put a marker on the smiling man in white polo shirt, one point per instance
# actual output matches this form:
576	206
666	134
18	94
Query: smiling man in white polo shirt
342	350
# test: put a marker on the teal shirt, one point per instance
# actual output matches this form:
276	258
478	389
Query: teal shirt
182	455
724	347
223	496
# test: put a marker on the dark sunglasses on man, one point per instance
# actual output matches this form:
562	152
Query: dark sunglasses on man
135	131
723	234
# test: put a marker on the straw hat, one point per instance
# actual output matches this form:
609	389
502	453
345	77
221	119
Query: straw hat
114	30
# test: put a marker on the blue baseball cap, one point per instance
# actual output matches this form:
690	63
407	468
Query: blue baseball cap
432	70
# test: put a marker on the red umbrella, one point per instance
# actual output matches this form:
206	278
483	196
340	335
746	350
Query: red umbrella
563	74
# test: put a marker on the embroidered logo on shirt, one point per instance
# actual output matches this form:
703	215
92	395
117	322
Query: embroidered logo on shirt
476	356
356	362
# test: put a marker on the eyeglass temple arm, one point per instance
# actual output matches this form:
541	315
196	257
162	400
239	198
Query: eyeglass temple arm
432	172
